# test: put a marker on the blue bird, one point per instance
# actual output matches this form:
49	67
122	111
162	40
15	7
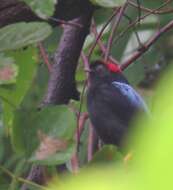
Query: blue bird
112	103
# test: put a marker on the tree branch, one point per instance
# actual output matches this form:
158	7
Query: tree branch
148	44
12	11
92	143
101	33
115	25
61	86
145	9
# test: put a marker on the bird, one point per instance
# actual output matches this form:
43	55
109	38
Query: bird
112	102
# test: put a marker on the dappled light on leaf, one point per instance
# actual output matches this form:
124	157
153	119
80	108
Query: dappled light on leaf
23	34
49	146
8	71
49	140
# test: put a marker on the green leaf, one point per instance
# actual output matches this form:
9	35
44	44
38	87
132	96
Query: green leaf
26	61
18	171
108	154
135	73
42	8
108	3
12	95
8	70
45	137
15	36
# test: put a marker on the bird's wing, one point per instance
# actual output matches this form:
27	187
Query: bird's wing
133	97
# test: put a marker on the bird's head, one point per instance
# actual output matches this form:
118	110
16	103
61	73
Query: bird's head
102	69
105	72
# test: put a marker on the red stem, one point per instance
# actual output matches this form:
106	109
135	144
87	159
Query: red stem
101	45
75	163
145	9
81	123
114	28
137	20
100	34
90	143
44	56
147	45
85	62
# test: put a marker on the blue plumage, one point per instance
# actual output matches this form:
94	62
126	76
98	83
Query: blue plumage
134	98
112	103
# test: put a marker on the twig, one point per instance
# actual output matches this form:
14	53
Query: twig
166	11
20	179
66	22
136	21
147	45
139	10
82	121
101	45
100	33
74	159
75	163
8	102
36	175
90	142
86	63
94	31
44	56
86	67
114	28
134	29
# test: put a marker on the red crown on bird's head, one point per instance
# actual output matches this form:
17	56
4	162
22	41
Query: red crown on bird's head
115	68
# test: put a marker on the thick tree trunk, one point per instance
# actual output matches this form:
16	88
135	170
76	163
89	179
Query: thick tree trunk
62	87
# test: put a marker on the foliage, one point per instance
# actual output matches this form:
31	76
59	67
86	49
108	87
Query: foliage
43	9
50	131
22	34
29	135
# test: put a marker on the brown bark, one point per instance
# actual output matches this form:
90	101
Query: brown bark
62	87
12	11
